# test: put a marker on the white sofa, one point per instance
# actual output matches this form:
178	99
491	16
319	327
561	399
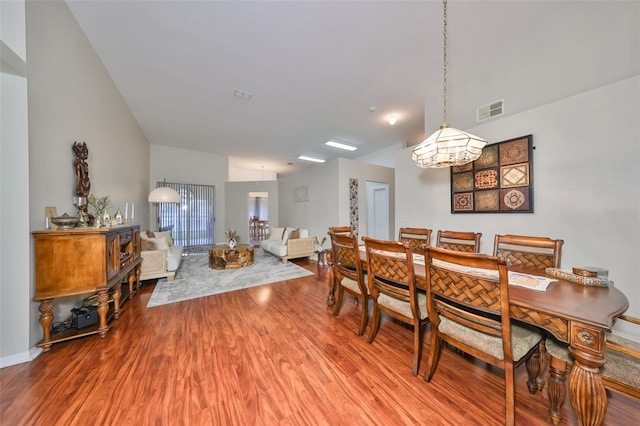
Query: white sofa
289	243
160	257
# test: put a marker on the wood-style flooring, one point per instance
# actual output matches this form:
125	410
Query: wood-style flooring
267	355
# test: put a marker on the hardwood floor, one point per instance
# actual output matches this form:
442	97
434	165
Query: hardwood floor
267	355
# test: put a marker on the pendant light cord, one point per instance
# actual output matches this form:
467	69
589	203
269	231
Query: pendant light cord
444	63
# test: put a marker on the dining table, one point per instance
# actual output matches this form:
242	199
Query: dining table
576	314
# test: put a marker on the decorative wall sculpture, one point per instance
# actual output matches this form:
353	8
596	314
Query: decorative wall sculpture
500	181
353	204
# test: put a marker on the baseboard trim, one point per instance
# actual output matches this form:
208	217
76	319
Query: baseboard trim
22	357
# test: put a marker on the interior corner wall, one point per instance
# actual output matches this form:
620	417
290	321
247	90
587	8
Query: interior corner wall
328	203
586	183
14	191
363	172
193	167
71	97
236	206
321	209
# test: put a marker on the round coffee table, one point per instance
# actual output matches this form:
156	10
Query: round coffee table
223	257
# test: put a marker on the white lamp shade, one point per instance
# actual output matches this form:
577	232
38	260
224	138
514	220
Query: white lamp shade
164	195
448	147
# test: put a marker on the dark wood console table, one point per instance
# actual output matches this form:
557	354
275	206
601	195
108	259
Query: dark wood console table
79	261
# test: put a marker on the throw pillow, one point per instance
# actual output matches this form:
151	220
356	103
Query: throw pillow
295	234
166	235
276	234
147	244
150	234
160	243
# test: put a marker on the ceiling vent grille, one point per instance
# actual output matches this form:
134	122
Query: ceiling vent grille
494	109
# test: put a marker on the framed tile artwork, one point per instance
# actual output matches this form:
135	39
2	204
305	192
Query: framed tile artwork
500	181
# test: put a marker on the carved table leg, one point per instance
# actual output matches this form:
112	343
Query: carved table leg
138	273
117	295
557	388
544	363
533	369
132	281
103	308
586	389
331	297
46	318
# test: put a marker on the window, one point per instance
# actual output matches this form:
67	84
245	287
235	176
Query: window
192	221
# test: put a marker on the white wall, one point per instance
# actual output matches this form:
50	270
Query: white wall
193	167
14	188
72	98
244	175
586	183
328	203
236	205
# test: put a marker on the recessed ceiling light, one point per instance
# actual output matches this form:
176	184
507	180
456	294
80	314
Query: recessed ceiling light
341	145
392	120
313	159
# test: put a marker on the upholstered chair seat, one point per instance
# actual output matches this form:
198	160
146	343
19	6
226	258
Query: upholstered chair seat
522	339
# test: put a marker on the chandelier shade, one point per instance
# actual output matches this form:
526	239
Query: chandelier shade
446	147
164	194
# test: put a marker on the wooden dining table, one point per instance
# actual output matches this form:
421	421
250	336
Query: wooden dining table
576	314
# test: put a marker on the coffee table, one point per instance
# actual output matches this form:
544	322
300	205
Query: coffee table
223	257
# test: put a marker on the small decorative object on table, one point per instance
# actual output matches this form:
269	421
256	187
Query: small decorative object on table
65	221
99	206
118	217
232	236
580	277
322	254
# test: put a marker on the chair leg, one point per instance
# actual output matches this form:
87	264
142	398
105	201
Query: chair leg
338	304
557	389
365	316
376	322
544	363
533	368
510	396
434	355
417	346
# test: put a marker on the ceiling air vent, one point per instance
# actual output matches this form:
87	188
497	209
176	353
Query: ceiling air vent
494	109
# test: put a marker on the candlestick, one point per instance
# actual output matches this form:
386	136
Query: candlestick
126	211
133	206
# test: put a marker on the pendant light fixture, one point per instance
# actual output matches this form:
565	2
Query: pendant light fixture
447	146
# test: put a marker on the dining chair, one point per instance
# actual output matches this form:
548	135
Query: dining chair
621	372
532	253
393	288
336	230
468	242
340	230
528	251
468	305
416	238
348	274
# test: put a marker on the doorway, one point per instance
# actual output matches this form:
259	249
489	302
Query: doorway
258	221
378	210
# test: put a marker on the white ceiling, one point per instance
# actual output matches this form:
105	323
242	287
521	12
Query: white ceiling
314	68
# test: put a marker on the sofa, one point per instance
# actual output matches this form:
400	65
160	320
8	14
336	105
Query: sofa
289	243
160	257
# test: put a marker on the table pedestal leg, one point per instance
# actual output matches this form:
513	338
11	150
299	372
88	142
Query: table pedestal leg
586	390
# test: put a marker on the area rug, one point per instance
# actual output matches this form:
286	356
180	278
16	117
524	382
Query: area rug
195	279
